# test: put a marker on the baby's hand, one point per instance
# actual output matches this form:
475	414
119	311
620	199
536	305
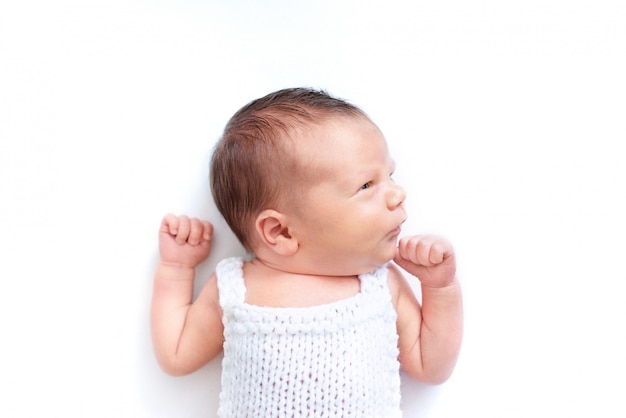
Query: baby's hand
431	259
183	241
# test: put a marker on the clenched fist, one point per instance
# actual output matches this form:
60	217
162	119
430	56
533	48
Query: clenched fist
184	241
431	259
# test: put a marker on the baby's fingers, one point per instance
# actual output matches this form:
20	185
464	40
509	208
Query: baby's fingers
183	230
413	249
423	250
440	251
427	252
435	254
200	231
406	249
207	230
169	224
178	227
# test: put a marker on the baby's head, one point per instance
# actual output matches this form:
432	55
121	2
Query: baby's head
254	166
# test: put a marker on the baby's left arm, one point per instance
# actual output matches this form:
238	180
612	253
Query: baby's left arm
429	335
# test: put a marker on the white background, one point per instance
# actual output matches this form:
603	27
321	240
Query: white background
507	120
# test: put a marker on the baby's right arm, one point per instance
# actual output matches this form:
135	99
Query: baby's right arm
185	334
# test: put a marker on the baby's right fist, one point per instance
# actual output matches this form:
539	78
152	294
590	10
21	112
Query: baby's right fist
184	241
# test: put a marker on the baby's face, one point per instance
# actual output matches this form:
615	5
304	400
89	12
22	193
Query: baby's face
351	215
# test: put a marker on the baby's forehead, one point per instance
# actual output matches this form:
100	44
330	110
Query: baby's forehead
323	146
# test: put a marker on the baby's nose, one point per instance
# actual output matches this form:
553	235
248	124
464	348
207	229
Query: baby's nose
396	197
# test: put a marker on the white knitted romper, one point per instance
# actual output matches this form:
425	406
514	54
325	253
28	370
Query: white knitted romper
333	360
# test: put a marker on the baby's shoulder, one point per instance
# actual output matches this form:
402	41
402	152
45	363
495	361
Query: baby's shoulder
397	283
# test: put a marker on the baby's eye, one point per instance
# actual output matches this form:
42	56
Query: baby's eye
366	186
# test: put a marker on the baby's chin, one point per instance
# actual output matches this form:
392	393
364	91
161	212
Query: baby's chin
390	253
384	259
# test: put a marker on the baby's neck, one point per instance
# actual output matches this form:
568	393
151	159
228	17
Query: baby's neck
268	285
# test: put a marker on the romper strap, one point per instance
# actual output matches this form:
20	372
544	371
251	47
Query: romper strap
230	283
375	281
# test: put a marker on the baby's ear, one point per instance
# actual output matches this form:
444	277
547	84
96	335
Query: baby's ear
272	228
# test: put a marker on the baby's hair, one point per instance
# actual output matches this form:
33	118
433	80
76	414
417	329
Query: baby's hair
251	167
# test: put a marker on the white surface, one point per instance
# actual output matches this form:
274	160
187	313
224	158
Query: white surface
507	120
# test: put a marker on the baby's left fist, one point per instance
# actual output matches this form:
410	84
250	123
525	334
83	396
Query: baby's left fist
431	259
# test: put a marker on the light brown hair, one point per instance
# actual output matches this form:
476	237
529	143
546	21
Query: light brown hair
252	168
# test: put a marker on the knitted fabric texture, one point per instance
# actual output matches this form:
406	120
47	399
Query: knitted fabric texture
333	360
